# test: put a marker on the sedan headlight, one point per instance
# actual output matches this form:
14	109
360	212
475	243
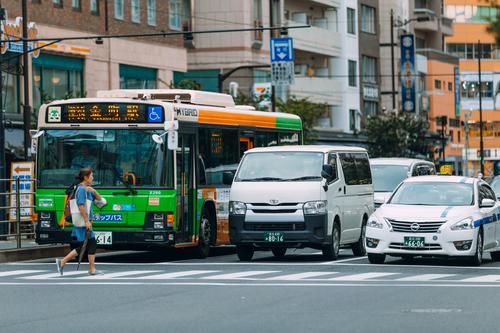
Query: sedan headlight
237	208
374	223
315	208
464	224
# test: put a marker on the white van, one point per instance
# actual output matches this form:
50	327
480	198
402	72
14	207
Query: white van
300	196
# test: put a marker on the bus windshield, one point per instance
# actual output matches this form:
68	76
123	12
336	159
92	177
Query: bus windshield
116	156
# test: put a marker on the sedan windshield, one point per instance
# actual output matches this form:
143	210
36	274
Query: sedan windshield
434	194
281	166
116	156
387	177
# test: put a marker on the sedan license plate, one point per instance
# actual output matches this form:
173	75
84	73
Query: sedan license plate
274	237
414	242
104	237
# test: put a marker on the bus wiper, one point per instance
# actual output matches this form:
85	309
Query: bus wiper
303	178
265	179
129	187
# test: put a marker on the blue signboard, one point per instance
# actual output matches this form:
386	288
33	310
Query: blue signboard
155	114
457	91
408	89
282	49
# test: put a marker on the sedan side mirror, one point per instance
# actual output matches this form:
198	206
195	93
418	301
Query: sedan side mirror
327	172
227	177
487	203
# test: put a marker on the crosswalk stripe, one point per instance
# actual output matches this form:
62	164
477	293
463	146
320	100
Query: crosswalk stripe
117	275
238	275
174	275
299	276
425	277
361	277
483	278
53	275
19	272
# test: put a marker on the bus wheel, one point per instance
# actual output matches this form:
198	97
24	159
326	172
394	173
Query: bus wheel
245	252
203	249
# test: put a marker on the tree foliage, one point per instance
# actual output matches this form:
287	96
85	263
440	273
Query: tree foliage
494	26
398	136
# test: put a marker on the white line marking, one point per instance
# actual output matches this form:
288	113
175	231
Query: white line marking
483	278
19	272
238	275
174	275
425	277
117	275
53	275
299	276
341	261
361	277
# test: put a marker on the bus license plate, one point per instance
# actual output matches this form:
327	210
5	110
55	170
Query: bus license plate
414	242
104	237
274	237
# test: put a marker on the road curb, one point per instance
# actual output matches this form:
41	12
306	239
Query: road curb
32	253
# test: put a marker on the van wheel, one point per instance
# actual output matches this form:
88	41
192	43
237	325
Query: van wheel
203	248
359	248
331	251
477	258
245	252
495	256
376	258
279	252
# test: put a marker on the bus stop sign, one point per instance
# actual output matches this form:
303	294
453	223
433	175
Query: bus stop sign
282	61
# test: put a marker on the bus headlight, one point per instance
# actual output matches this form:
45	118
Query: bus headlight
465	224
315	208
237	208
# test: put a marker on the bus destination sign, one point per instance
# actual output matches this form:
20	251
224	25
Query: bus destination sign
87	113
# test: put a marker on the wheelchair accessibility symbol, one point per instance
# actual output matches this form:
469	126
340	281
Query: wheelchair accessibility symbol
155	114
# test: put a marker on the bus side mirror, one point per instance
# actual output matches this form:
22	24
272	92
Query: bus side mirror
227	178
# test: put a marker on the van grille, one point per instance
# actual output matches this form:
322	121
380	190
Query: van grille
423	227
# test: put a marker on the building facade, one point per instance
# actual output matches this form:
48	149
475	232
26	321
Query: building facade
82	67
470	41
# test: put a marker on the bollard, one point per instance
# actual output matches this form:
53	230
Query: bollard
18	213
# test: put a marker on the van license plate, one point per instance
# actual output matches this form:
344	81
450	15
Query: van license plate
274	237
104	237
414	242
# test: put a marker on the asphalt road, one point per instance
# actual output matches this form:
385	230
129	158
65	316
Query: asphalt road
151	292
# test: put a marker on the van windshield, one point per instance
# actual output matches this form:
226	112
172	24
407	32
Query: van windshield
280	166
387	177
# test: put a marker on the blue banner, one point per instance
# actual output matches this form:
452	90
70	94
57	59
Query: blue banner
408	72
457	91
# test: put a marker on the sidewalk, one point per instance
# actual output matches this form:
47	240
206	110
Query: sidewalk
29	250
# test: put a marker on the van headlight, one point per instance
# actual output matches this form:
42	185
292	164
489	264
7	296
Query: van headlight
315	208
237	208
465	224
373	222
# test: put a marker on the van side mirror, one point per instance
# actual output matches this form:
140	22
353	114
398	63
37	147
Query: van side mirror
487	203
227	177
328	172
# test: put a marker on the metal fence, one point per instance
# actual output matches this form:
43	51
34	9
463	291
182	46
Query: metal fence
17	210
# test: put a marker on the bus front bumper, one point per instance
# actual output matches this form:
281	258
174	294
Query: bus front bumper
123	239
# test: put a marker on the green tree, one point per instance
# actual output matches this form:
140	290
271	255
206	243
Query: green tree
398	136
186	84
494	26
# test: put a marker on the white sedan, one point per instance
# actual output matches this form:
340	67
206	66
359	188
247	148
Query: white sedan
436	216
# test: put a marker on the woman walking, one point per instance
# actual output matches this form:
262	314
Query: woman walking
84	192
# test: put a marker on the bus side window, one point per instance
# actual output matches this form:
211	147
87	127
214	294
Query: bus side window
246	143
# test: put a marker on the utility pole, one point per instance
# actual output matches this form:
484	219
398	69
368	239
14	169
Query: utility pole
481	143
444	122
3	160
467	116
393	75
26	101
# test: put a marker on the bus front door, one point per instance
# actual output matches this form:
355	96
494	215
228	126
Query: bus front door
185	188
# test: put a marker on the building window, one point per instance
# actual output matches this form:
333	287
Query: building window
135	77
76	5
471	13
57	3
369	68
437	84
470	89
353	75
353	120
56	77
368	21
11	84
459	136
135	10
152	12
370	108
450	86
257	19
119	9
471	51
351	21
174	15
94	6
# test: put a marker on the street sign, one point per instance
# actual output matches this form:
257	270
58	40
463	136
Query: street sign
282	61
24	171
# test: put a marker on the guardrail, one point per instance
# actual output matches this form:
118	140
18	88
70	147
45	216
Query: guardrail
17	207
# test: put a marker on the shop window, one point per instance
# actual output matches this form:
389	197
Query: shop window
135	77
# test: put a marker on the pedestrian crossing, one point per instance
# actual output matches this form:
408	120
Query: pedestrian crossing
248	275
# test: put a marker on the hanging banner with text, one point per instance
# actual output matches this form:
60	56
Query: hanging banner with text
408	89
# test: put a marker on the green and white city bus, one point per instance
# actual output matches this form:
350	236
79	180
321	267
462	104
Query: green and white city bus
158	194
